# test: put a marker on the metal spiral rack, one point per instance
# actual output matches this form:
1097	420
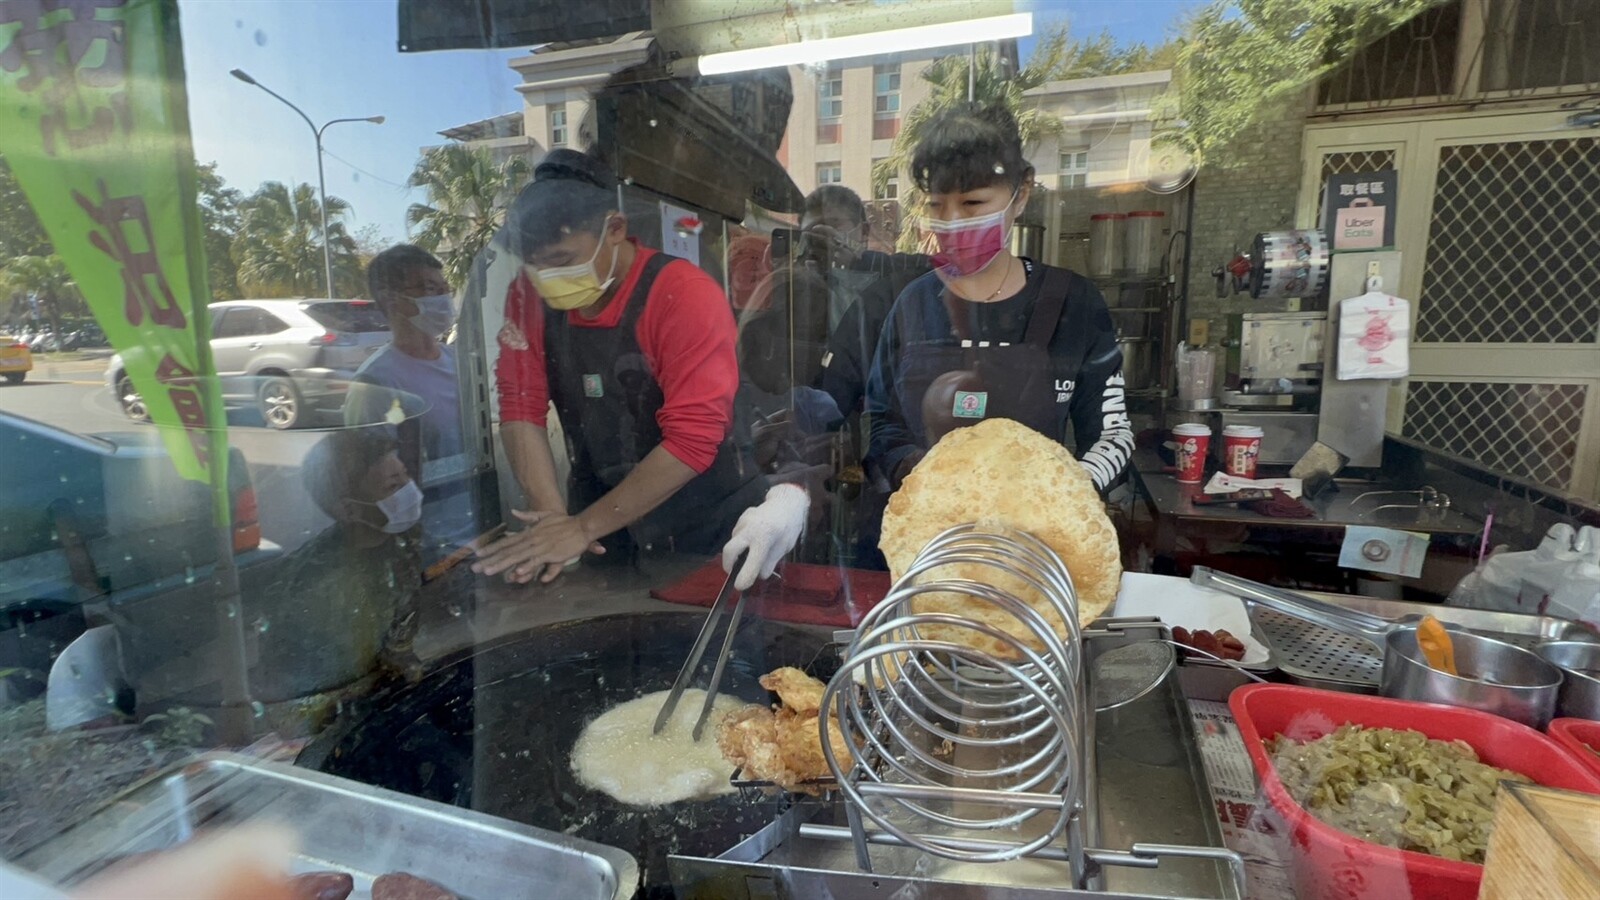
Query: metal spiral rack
962	752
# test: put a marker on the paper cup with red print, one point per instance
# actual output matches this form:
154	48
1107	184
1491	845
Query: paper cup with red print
1241	446
1193	441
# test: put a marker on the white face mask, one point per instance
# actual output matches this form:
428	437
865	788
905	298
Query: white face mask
434	315
403	508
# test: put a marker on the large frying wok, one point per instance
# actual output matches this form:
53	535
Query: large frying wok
493	729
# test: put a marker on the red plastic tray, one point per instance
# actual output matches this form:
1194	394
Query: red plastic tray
1582	737
1331	864
806	594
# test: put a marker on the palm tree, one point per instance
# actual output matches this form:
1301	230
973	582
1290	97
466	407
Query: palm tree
991	81
467	197
47	278
278	248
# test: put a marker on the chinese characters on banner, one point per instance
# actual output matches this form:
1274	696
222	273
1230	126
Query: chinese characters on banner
1358	210
93	122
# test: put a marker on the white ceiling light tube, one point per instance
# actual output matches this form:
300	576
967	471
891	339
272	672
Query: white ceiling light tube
899	40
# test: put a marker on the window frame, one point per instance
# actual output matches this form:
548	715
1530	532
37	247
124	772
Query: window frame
558	132
830	95
1072	164
891	71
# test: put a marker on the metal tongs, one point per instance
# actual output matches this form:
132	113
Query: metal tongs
698	652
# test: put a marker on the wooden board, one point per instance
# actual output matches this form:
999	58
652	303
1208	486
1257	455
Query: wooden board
1546	844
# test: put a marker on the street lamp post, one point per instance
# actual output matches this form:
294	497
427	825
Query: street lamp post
322	182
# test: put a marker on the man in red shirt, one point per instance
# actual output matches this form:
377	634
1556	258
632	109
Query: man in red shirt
635	349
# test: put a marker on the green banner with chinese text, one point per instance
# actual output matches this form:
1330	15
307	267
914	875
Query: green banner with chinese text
94	122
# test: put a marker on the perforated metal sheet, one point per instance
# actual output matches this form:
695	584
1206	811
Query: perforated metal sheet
1311	654
1528	430
1514	244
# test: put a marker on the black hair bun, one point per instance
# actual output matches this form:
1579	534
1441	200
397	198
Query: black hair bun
564	164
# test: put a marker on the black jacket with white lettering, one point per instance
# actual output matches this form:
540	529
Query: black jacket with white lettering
1086	363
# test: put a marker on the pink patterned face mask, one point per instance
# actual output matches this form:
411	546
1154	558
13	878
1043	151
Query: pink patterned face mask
967	246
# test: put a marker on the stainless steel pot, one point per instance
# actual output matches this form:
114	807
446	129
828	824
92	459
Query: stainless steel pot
1497	677
1580	664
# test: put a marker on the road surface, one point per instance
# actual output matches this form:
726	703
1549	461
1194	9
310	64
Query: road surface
72	396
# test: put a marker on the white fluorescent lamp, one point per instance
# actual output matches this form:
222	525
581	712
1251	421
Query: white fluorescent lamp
899	40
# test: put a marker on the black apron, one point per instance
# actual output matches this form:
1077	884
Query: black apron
964	384
608	399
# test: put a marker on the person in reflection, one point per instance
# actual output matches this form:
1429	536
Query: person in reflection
819	329
635	349
864	283
345	600
988	334
408	284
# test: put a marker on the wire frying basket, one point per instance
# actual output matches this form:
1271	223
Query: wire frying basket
962	695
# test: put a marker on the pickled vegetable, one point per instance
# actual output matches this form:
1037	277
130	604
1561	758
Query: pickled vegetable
1395	788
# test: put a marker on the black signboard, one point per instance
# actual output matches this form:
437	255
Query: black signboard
1358	210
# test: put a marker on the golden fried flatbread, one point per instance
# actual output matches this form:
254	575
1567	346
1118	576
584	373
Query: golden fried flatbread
798	691
785	747
748	738
800	746
1002	473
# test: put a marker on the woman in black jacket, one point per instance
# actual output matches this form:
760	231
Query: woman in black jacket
988	334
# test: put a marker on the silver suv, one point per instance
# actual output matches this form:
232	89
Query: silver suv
290	359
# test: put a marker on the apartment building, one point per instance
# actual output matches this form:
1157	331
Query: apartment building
845	117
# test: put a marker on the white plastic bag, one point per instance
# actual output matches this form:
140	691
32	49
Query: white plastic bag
1374	337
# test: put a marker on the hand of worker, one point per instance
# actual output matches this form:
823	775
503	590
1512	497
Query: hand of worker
544	549
768	531
247	863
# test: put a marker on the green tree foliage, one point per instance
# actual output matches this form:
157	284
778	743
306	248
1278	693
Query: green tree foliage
467	196
1240	58
278	247
20	231
47	278
219	217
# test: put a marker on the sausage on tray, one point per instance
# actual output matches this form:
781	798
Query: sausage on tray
406	886
321	886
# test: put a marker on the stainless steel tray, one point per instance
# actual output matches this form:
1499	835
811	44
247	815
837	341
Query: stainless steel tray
1149	786
343	825
1312	655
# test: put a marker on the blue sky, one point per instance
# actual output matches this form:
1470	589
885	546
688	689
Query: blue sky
332	59
337	58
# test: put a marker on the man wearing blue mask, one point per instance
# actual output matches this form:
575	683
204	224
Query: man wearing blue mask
408	284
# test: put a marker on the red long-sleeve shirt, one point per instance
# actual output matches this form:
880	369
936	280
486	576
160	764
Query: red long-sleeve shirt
687	334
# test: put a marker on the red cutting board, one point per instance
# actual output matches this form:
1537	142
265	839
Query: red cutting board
804	595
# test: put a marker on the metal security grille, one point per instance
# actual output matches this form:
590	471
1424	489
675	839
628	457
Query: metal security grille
1360	161
1514	244
1531	44
1526	430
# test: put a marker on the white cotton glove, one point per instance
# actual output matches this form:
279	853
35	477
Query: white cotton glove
768	531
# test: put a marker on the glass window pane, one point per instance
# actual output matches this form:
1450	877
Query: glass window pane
536	262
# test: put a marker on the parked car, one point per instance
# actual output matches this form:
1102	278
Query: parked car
90	523
291	359
16	360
